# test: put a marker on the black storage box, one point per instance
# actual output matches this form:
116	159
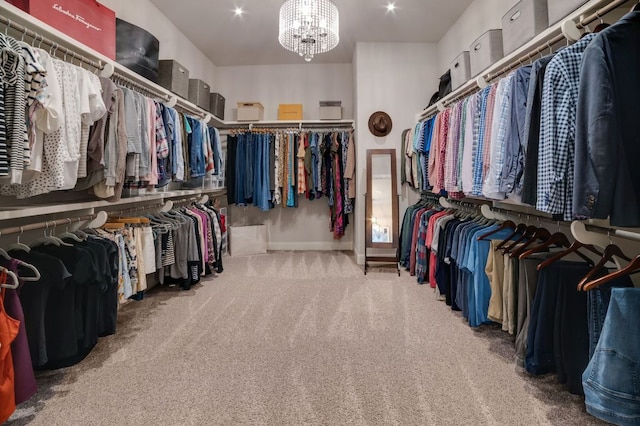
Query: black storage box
173	76
199	93
137	50
216	105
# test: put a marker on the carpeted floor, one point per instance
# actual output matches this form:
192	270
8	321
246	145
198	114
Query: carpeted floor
299	338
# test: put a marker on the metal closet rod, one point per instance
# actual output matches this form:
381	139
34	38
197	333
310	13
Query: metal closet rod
52	44
46	224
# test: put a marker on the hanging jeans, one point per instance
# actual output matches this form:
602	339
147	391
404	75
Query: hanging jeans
240	176
611	386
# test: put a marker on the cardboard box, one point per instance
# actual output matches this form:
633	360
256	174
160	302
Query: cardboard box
290	112
86	21
250	111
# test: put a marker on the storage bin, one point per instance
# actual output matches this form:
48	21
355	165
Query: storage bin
88	22
485	51
523	22
290	112
250	111
460	70
199	93
137	49
173	76
247	240
216	105
559	9
330	113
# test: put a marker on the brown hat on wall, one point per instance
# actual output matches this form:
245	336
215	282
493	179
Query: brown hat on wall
380	124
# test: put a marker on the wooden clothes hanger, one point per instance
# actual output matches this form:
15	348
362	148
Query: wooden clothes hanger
528	233
519	229
559	239
573	248
610	251
632	267
541	234
504	225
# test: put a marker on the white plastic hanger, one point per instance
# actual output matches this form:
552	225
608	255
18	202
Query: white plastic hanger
18	245
70	235
13	277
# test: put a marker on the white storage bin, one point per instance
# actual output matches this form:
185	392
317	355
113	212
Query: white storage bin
247	240
485	51
330	113
559	9
524	21
460	70
250	111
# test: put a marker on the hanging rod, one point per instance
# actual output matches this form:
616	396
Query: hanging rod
39	38
46	224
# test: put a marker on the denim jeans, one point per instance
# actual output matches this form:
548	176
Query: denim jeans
240	176
598	299
612	379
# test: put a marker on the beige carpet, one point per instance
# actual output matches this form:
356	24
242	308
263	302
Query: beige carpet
299	338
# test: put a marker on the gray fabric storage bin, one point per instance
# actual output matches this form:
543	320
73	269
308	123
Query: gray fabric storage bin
485	51
173	76
216	105
199	93
559	9
460	70
524	21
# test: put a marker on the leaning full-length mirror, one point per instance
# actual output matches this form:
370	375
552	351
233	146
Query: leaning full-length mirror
381	204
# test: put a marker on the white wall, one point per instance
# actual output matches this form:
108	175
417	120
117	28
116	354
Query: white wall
173	43
480	16
302	228
398	78
305	227
271	85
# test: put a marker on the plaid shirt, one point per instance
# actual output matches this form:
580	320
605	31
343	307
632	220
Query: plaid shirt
478	141
499	127
488	129
451	157
558	130
466	169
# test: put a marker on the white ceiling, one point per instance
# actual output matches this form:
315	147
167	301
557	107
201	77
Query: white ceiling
253	38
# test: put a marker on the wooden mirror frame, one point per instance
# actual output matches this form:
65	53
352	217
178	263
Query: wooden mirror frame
369	244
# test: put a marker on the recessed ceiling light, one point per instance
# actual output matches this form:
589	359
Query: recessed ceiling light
391	7
238	11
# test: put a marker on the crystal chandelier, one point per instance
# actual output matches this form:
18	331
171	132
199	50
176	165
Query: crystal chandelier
309	27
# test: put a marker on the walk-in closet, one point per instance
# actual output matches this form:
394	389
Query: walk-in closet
323	212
